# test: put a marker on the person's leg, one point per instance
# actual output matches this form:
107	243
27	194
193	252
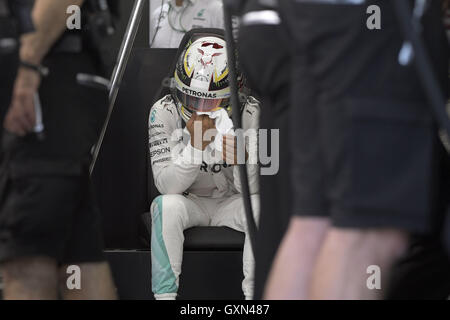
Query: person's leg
83	251
292	267
231	213
95	282
35	215
30	278
171	215
342	269
290	277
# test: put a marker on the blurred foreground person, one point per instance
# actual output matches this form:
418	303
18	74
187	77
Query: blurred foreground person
266	65
367	161
193	156
48	217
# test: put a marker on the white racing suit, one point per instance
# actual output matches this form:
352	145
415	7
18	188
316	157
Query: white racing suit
198	189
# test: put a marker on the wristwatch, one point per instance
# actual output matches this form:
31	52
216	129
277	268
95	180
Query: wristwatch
42	70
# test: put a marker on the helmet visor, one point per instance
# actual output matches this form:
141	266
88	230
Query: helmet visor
201	104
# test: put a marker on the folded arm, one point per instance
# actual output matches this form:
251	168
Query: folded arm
175	165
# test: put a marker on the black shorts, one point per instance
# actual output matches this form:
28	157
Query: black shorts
365	146
47	206
50	214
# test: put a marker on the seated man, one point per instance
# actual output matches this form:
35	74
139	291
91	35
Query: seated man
196	175
171	19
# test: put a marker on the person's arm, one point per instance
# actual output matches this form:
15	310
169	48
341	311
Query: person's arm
49	19
175	165
250	120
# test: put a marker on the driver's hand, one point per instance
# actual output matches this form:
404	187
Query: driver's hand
21	117
230	150
202	130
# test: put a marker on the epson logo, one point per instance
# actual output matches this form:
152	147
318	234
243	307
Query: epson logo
199	94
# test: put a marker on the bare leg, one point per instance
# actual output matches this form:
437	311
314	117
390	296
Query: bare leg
96	283
31	278
341	271
292	269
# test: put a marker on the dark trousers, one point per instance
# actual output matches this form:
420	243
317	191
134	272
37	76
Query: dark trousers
266	67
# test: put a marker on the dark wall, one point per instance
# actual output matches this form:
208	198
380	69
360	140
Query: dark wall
120	174
110	47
